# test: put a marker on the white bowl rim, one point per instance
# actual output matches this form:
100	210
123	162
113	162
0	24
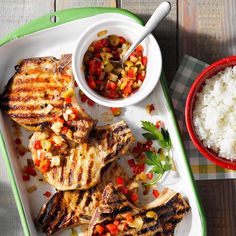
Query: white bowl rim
93	95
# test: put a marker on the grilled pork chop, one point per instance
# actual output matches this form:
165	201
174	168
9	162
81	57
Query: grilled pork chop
79	165
37	97
158	218
72	208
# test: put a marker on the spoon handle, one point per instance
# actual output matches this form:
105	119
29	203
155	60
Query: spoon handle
160	13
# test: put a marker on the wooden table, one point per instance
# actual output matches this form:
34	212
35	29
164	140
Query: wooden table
201	28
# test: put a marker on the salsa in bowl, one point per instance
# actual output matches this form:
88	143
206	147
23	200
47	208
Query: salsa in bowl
95	74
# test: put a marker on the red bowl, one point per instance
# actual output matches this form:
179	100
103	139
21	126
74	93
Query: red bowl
195	88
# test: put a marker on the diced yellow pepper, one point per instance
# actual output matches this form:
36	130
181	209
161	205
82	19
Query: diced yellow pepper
152	214
123	85
69	93
46	145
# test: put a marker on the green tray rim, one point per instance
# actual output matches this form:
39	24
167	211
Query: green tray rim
65	16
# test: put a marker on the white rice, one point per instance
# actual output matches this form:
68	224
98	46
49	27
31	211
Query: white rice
214	115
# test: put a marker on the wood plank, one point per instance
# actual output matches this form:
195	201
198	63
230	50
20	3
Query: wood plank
165	33
218	199
207	28
63	4
14	13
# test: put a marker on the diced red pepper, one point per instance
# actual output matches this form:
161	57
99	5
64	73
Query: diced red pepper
140	77
91	83
47	194
149	142
139	50
131	73
111	85
155	193
58	119
141	168
64	130
17	141
128	217
75	111
144	60
97	55
37	162
131	163
83	98
116	111
95	67
97	45
111	94
37	145
122	40
128	89
68	100
119	180
45	165
99	229
124	190
90	102
112	228
149	175
134	197
25	177
29	170
105	42
158	124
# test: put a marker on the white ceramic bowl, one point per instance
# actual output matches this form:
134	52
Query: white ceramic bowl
129	30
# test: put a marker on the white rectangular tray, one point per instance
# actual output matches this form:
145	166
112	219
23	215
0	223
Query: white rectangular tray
60	39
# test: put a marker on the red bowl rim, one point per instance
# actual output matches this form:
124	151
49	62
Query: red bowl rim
198	144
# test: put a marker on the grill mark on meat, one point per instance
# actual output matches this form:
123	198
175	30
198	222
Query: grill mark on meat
119	147
35	89
62	174
80	174
120	128
32	108
88	199
90	171
28	116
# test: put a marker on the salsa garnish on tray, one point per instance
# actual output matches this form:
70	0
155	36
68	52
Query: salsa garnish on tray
107	80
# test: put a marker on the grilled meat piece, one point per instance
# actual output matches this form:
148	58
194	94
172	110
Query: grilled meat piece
157	218
35	96
72	208
81	164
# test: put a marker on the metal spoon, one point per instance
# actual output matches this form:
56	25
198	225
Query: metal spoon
159	14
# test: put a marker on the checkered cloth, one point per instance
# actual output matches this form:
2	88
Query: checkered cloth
202	168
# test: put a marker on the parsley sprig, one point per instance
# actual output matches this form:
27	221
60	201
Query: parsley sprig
160	163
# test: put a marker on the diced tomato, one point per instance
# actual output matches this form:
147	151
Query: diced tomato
37	145
131	73
29	170
75	84
134	197
17	141
144	60
149	175
124	190
111	85
37	162
140	77
47	194
83	98
116	55
119	180
45	165
99	229
111	94
97	55
98	82
139	50
105	42
155	193
91	83
25	177
95	67
137	150
58	119
122	40
134	54
128	217
158	124
68	100
131	163
90	102
112	228
64	130
141	167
